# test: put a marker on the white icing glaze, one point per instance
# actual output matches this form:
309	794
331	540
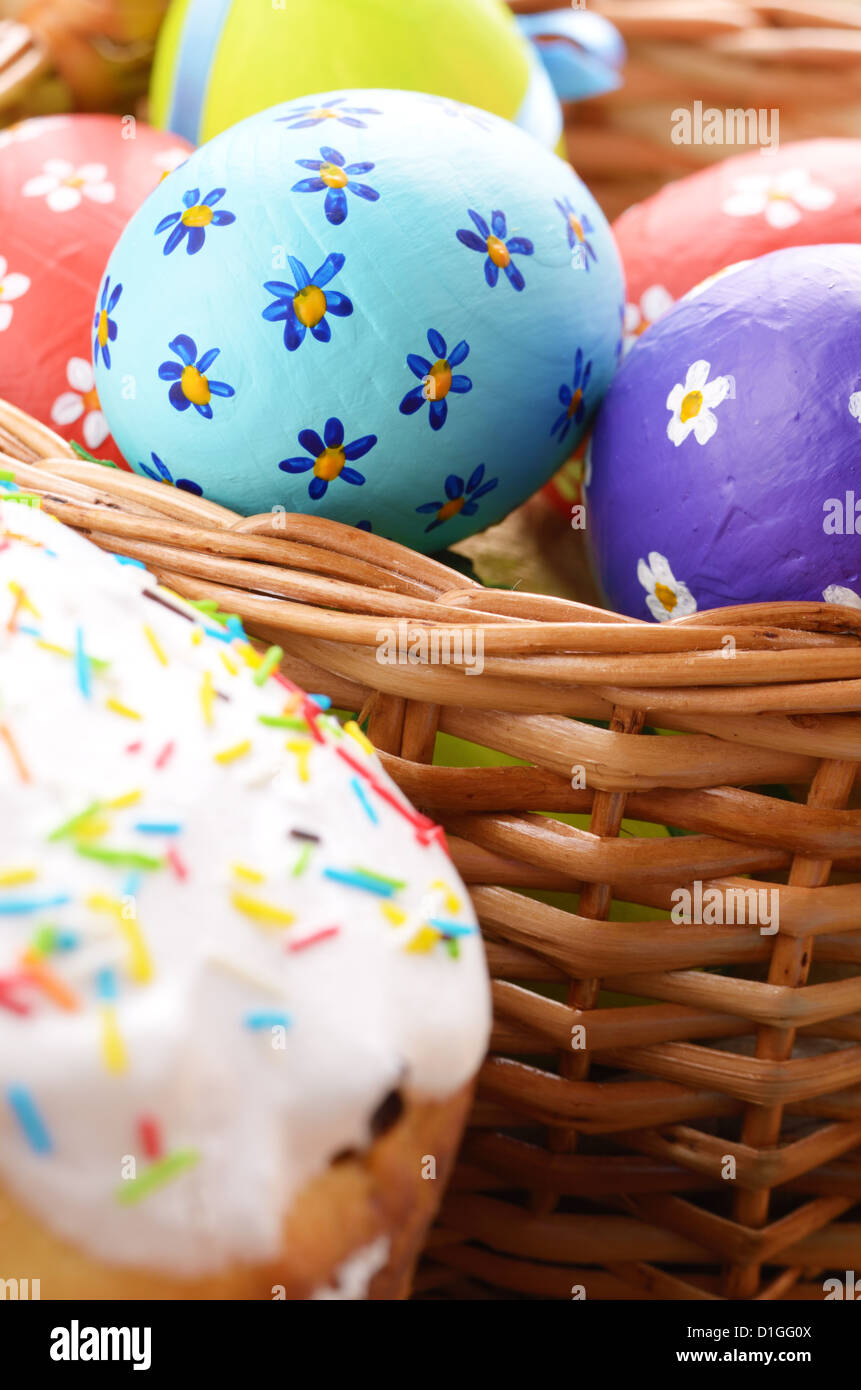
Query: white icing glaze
365	1013
352	1279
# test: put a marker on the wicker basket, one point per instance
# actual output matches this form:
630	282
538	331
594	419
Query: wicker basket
799	56
700	1144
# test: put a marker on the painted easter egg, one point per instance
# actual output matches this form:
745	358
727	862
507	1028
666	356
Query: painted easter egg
219	61
800	194
725	455
389	314
68	185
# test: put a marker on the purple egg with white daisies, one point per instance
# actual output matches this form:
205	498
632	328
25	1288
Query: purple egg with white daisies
723	466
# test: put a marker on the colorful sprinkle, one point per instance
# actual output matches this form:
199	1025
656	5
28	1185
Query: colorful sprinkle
305	835
322	935
27	1114
15	907
264	913
302	862
154	1177
230	755
157	827
364	801
249	875
114	1053
424	940
177	863
82	666
24	602
119	803
452	901
149	1133
140	961
395	915
257	1022
207	698
356	878
106	986
50	983
120	858
7	999
10	877
450	928
119	708
283	721
74	824
165	755
301	750
272	659
352	728
15	753
158	649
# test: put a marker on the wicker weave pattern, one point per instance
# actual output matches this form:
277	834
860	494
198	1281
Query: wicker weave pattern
603	1167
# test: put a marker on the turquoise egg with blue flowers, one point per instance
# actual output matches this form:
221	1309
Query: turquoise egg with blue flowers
382	307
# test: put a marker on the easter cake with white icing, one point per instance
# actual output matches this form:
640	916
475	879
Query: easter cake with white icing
242	991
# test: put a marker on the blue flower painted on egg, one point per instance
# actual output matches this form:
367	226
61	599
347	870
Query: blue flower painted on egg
105	327
578	229
497	247
191	385
337	177
573	398
329	457
197	214
305	305
437	379
302	117
162	474
462	498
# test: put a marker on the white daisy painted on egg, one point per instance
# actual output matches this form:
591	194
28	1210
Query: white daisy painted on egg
81	400
31	129
169	159
780	198
654	302
666	596
12	286
855	405
693	404
63	186
836	593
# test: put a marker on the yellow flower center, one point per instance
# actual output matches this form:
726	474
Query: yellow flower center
691	406
73	181
575	402
195	386
576	226
450	509
777	195
328	465
91	400
665	596
498	251
320	113
198	216
333	176
309	305
437	383
102	332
